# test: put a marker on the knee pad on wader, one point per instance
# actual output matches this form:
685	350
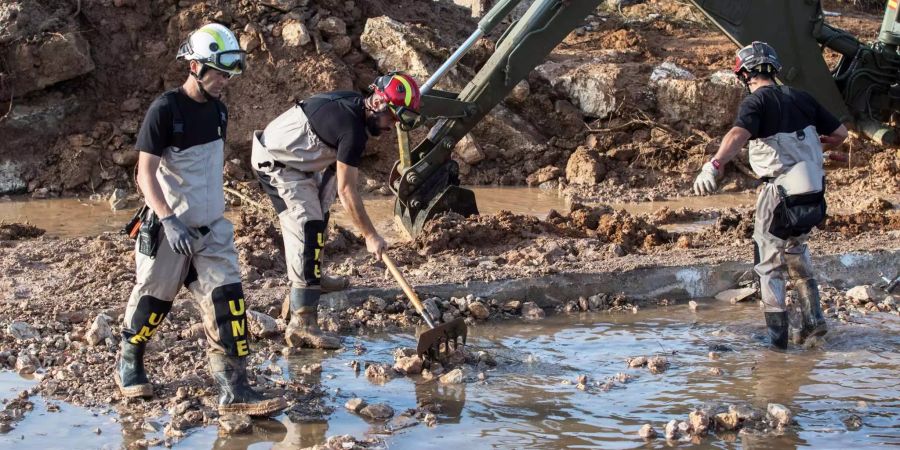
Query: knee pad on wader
231	319
313	244
145	320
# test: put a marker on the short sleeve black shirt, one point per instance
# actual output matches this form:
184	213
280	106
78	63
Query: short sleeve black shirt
776	109
202	122
339	120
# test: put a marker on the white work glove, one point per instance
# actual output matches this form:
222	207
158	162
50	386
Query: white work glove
706	179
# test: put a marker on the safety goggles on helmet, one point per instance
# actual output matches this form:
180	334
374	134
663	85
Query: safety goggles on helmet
231	61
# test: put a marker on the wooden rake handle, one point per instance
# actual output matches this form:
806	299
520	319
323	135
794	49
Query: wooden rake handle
407	289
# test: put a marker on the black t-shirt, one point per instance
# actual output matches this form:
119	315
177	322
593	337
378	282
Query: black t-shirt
339	120
202	122
779	109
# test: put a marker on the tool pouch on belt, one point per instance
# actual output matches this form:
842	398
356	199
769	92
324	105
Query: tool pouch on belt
148	235
134	225
797	215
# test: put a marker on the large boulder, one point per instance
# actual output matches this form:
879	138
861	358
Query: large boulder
710	102
596	87
416	49
36	65
11	181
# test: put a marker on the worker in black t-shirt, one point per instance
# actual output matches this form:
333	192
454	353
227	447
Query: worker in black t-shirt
787	129
181	144
306	157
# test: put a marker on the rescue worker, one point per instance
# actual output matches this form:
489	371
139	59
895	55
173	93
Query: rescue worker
180	168
787	129
305	157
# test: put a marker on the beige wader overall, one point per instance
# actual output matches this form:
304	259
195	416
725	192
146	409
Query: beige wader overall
793	162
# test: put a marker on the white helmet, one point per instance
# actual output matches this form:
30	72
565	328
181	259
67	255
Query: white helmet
215	46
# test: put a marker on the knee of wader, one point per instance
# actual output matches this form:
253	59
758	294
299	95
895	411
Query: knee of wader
313	244
146	318
231	319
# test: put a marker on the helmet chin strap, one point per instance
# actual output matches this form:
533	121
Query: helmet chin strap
203	90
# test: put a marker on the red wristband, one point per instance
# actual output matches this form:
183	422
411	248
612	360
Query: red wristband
715	163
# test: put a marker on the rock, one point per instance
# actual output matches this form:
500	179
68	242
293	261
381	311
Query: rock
235	424
670	70
295	34
658	364
520	92
672	430
415	48
469	151
512	306
735	295
711	102
699	422
638	361
693	305
355	404
852	422
531	311
100	330
779	414
26	364
409	365
118	199
341	44
430	420
647	432
11	181
728	421
21	331
863	293
745	412
130	105
332	26
127	157
479	311
378	411
585	167
432	308
596	88
261	325
250	40
543	175
455	376
379	372
39	63
715	371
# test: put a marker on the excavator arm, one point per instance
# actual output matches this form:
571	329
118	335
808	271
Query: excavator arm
862	89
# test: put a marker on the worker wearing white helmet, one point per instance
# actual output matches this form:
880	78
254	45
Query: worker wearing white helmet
184	238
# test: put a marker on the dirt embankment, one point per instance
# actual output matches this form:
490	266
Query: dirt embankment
627	107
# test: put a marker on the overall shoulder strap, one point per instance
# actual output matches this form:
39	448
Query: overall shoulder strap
177	119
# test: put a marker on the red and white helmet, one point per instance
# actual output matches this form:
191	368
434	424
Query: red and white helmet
401	93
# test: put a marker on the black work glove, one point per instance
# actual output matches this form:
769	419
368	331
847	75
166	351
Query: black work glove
178	235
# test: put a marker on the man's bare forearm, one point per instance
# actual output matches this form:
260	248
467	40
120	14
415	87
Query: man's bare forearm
353	203
731	144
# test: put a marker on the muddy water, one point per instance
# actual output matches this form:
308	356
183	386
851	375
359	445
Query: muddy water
526	404
72	217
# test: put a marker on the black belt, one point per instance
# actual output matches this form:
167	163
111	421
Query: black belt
767	179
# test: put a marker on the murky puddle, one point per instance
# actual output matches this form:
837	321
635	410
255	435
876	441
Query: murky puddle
74	217
527	404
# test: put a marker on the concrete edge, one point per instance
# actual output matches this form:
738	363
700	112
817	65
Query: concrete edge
674	282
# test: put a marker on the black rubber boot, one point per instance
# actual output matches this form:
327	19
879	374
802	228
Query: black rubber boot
303	329
237	397
777	322
813	321
130	374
